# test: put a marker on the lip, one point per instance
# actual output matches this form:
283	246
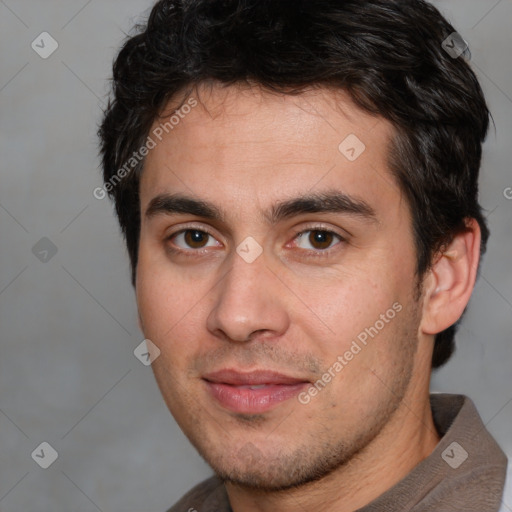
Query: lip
232	389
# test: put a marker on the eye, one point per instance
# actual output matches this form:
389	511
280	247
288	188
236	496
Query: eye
192	239
317	240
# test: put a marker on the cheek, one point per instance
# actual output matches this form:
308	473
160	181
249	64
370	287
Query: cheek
157	295
348	309
152	296
157	286
344	304
171	303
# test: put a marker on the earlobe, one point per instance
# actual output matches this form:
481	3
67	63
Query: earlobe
451	280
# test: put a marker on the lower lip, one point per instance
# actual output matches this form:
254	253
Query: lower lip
252	401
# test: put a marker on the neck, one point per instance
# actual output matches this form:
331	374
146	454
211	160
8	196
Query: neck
406	440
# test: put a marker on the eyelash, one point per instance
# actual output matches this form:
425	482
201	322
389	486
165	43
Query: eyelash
318	253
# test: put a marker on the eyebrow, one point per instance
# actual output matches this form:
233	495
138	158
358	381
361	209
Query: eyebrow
331	201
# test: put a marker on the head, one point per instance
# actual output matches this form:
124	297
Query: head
263	96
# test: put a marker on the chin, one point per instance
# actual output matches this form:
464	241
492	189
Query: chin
249	468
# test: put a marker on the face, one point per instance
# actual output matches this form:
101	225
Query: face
276	274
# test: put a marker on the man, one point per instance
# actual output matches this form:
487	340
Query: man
297	185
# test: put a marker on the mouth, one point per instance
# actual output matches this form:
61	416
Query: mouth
252	392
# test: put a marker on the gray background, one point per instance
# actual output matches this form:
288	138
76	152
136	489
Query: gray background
68	375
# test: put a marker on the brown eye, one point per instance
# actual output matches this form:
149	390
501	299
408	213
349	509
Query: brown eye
318	239
193	239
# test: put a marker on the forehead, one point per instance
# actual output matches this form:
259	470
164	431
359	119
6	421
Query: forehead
245	146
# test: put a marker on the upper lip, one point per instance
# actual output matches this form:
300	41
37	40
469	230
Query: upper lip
253	378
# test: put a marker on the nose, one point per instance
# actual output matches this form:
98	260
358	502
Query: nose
249	302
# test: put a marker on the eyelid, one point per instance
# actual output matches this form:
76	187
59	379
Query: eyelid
192	227
325	229
341	233
185	227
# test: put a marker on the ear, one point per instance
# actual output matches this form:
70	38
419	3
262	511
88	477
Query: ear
450	281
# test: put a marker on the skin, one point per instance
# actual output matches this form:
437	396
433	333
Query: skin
298	306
